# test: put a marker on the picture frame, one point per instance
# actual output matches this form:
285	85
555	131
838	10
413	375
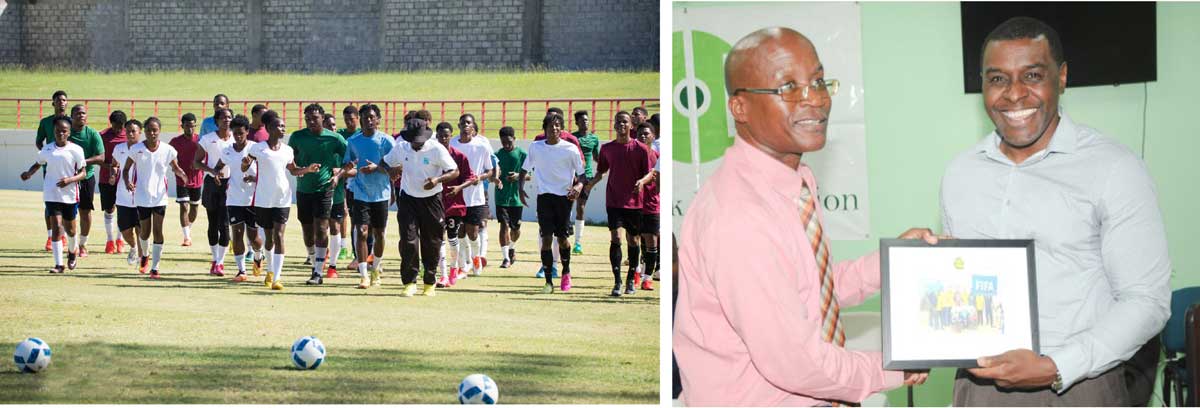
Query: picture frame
948	304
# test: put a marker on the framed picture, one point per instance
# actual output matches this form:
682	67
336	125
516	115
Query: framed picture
948	304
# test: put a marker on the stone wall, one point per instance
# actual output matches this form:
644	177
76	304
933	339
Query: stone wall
329	35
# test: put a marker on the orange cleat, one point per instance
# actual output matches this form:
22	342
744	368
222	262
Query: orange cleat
110	247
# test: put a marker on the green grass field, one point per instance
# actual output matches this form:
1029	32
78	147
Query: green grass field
118	337
249	87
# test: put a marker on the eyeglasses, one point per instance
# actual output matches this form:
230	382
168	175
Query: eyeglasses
791	92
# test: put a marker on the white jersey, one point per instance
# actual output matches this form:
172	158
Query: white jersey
239	192
213	145
61	162
554	166
124	196
274	187
432	161
152	168
479	155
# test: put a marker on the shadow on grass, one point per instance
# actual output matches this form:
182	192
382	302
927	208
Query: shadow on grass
132	373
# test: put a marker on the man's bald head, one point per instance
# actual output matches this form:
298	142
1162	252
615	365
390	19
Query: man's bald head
755	47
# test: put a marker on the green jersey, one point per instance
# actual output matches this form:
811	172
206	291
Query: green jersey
510	162
326	149
45	132
89	140
590	144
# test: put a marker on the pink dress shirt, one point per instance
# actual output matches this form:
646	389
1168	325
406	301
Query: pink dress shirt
747	324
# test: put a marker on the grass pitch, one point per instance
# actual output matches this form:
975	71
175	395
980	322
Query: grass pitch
119	337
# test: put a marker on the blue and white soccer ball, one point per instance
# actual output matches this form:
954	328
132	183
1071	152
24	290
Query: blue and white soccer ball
478	389
308	353
32	355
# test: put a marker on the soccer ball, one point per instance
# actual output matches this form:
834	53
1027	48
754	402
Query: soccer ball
32	355
308	353
478	389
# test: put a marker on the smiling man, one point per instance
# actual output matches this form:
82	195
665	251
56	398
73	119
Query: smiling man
757	319
1090	205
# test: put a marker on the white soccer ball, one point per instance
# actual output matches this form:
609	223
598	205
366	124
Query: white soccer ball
308	353
478	389
32	355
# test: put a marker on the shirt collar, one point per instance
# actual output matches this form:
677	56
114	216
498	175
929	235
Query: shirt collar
766	173
1064	140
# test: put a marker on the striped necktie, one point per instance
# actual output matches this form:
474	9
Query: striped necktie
831	322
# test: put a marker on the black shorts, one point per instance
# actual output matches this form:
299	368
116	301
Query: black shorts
213	195
510	216
452	224
628	218
268	217
371	214
87	189
67	211
476	215
338	211
144	213
127	217
554	215
649	224
185	194
108	197
242	215
311	206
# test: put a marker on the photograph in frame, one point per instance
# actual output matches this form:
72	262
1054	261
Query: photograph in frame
948	304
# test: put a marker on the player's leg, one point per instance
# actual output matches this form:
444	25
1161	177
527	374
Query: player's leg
429	229
562	225
409	243
649	232
631	220
614	248
580	204
237	227
336	216
54	220
87	189
157	216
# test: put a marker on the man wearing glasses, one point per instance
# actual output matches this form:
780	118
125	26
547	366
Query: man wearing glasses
758	310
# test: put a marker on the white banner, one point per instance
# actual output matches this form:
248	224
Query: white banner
703	35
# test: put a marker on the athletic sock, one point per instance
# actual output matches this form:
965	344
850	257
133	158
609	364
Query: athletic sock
614	258
565	255
504	251
144	247
49	233
157	255
651	261
311	250
187	232
470	258
276	265
335	245
483	241
241	263
82	241
57	247
554	248
547	263
71	244
634	253
578	231
213	250
442	260
453	243
362	269
221	250
318	261
108	225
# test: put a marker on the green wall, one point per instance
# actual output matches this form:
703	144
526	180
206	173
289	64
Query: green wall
918	118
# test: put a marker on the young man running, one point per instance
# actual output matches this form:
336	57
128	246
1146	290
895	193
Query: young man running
209	125
127	216
479	155
455	208
258	133
45	134
422	167
93	149
64	162
508	199
239	195
273	191
350	117
315	190
187	191
152	161
558	172
564	135
215	181
629	160
589	144
112	137
370	189
648	185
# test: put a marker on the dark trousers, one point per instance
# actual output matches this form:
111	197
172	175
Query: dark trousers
420	230
213	198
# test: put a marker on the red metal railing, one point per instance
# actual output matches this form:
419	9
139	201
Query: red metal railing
524	115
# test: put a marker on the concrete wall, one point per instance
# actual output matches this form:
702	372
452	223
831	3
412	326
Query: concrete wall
330	35
17	151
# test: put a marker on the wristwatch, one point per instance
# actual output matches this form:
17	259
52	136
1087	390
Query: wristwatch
1058	383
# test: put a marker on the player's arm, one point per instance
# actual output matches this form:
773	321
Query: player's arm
577	185
129	184
246	161
300	171
97	159
29	173
80	173
183	175
200	161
